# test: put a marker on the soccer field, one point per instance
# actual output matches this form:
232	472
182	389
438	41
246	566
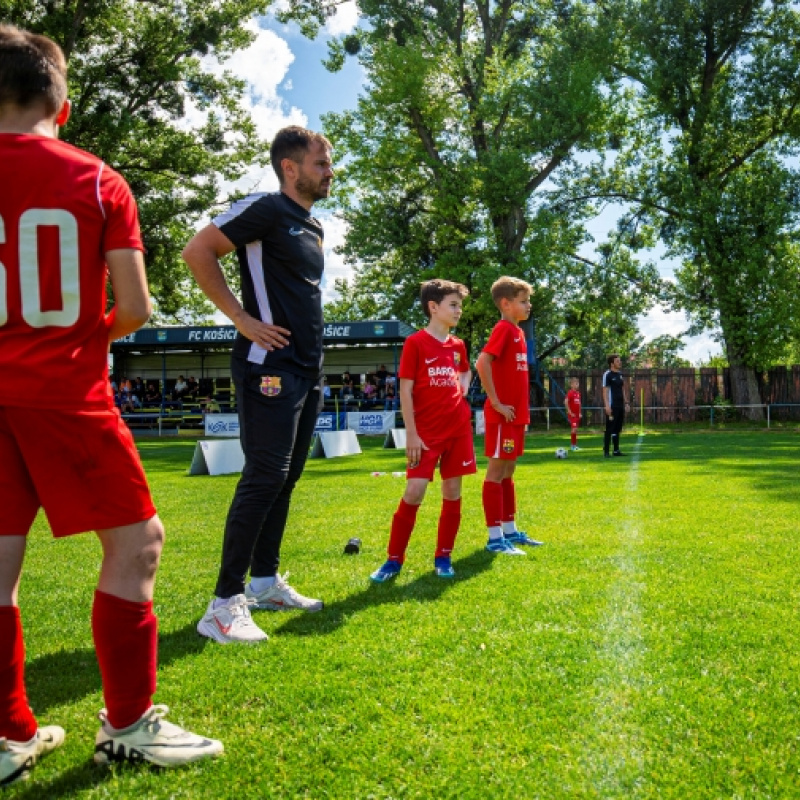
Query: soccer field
650	650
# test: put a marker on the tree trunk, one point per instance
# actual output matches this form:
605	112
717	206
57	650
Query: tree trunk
744	388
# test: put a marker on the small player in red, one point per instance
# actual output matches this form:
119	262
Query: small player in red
573	407
503	369
67	222
434	378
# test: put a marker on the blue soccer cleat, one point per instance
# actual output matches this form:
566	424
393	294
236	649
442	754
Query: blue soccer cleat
520	537
443	567
391	569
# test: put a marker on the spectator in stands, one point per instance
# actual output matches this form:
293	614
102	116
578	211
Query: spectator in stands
279	247
98	484
390	397
370	391
326	389
348	390
180	388
152	397
210	405
192	387
381	374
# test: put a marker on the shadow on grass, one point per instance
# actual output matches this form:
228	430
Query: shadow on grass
65	784
427	588
61	678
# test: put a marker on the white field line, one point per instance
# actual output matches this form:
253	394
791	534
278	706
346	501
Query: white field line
618	765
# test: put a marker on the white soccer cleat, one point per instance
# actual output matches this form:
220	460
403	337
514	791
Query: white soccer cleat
281	597
231	622
152	739
17	759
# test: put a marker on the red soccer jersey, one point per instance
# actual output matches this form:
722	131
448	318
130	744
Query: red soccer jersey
440	410
509	372
61	210
574	402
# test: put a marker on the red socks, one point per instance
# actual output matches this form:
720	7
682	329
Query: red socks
493	503
402	524
509	500
17	722
449	520
126	640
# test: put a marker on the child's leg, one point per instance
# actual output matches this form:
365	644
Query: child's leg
493	497
574	436
405	518
450	517
509	498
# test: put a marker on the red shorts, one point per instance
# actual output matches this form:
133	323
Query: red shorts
574	422
504	440
455	457
82	467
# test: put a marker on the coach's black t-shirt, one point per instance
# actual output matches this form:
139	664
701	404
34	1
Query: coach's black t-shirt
614	381
279	247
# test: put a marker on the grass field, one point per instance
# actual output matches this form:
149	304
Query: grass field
650	650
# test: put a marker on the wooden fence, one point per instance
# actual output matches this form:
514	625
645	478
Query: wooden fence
672	395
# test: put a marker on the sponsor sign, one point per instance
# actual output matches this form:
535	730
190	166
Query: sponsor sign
222	425
326	421
376	422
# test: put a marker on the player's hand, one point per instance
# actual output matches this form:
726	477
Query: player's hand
270	337
414	448
507	412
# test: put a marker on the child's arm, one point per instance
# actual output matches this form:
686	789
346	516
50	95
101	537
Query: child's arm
464	381
414	445
484	367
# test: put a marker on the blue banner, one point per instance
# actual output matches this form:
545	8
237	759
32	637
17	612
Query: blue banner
327	421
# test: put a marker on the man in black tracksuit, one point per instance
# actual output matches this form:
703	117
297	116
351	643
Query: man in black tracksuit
615	404
276	367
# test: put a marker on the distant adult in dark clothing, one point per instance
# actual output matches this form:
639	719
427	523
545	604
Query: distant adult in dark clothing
615	405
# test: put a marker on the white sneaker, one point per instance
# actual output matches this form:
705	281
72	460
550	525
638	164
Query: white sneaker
17	759
152	739
231	622
281	597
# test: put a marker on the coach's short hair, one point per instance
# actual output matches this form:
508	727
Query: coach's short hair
293	142
611	358
507	288
32	70
435	290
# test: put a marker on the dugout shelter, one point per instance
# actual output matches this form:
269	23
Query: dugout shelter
161	354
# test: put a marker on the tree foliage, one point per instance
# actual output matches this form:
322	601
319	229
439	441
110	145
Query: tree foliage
715	114
135	74
474	110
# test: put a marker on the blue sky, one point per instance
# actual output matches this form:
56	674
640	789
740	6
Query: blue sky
289	85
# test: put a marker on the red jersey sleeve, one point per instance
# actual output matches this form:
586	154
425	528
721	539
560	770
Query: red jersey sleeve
121	230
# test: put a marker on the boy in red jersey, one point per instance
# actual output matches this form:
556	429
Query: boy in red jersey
434	378
573	407
503	369
67	222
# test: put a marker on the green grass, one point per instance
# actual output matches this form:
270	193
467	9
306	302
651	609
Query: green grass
650	650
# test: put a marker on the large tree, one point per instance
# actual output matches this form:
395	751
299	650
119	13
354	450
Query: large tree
715	99
471	111
135	72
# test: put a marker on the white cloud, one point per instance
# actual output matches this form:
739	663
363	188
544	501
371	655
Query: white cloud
659	321
344	20
335	266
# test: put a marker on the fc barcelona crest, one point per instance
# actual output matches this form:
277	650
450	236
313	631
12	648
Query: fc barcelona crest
508	445
457	358
271	385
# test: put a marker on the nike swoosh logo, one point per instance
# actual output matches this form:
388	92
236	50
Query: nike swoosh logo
466	463
296	231
431	360
517	339
225	629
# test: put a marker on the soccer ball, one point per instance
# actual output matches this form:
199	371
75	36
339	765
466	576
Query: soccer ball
561	453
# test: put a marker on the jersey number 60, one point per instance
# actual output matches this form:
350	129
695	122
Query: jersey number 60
29	275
